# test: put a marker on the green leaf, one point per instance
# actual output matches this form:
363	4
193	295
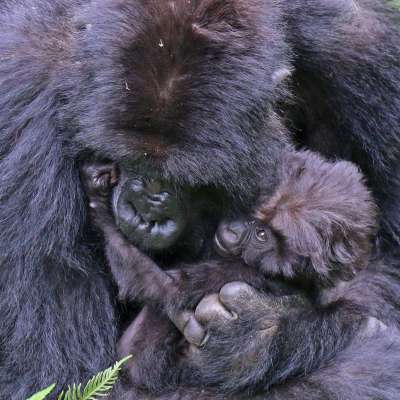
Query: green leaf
43	393
99	386
395	3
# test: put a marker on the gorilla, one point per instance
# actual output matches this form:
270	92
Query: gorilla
316	228
194	98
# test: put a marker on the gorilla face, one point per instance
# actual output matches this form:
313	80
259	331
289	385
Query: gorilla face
255	242
181	93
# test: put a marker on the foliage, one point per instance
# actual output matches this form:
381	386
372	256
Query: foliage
395	3
43	393
98	386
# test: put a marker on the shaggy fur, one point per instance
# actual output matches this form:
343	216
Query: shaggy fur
317	228
319	224
351	376
173	88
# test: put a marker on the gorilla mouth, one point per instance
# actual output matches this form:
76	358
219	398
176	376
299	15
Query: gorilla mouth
222	250
148	213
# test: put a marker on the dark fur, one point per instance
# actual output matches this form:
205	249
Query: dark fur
77	77
352	376
318	226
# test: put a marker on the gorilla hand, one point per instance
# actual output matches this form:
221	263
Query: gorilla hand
149	212
98	179
242	346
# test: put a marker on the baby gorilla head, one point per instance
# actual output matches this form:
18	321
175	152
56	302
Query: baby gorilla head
318	225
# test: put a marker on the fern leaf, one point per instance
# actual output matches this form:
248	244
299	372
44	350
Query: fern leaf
43	393
98	386
101	384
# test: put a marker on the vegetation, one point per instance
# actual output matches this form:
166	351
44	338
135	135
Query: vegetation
99	386
395	3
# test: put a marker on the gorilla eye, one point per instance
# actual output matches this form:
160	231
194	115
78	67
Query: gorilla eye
261	235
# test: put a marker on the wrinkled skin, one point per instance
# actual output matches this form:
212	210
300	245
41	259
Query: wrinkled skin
149	213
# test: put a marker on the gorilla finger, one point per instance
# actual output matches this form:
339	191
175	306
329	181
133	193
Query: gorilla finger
235	296
128	214
180	319
190	328
194	333
210	309
114	175
101	175
161	197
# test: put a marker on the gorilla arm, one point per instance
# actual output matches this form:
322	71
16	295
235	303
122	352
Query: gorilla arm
139	278
252	339
255	340
336	43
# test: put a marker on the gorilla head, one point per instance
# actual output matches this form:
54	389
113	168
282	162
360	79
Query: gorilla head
181	94
318	225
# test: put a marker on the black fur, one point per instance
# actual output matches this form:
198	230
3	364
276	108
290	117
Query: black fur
318	226
316	229
78	77
351	376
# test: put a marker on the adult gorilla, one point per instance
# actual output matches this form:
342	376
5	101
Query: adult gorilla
188	91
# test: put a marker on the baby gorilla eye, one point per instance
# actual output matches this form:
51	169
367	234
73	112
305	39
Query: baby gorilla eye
261	234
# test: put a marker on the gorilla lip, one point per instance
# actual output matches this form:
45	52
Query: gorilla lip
222	250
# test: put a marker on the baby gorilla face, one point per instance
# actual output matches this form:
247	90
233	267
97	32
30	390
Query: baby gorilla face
149	212
255	242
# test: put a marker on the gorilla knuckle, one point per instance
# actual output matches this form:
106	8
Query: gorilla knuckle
235	292
211	310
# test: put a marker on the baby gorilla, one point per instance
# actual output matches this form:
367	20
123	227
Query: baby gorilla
316	228
139	278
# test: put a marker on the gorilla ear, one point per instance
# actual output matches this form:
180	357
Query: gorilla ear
281	74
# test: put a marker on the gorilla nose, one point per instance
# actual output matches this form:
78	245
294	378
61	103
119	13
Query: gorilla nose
232	233
229	237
